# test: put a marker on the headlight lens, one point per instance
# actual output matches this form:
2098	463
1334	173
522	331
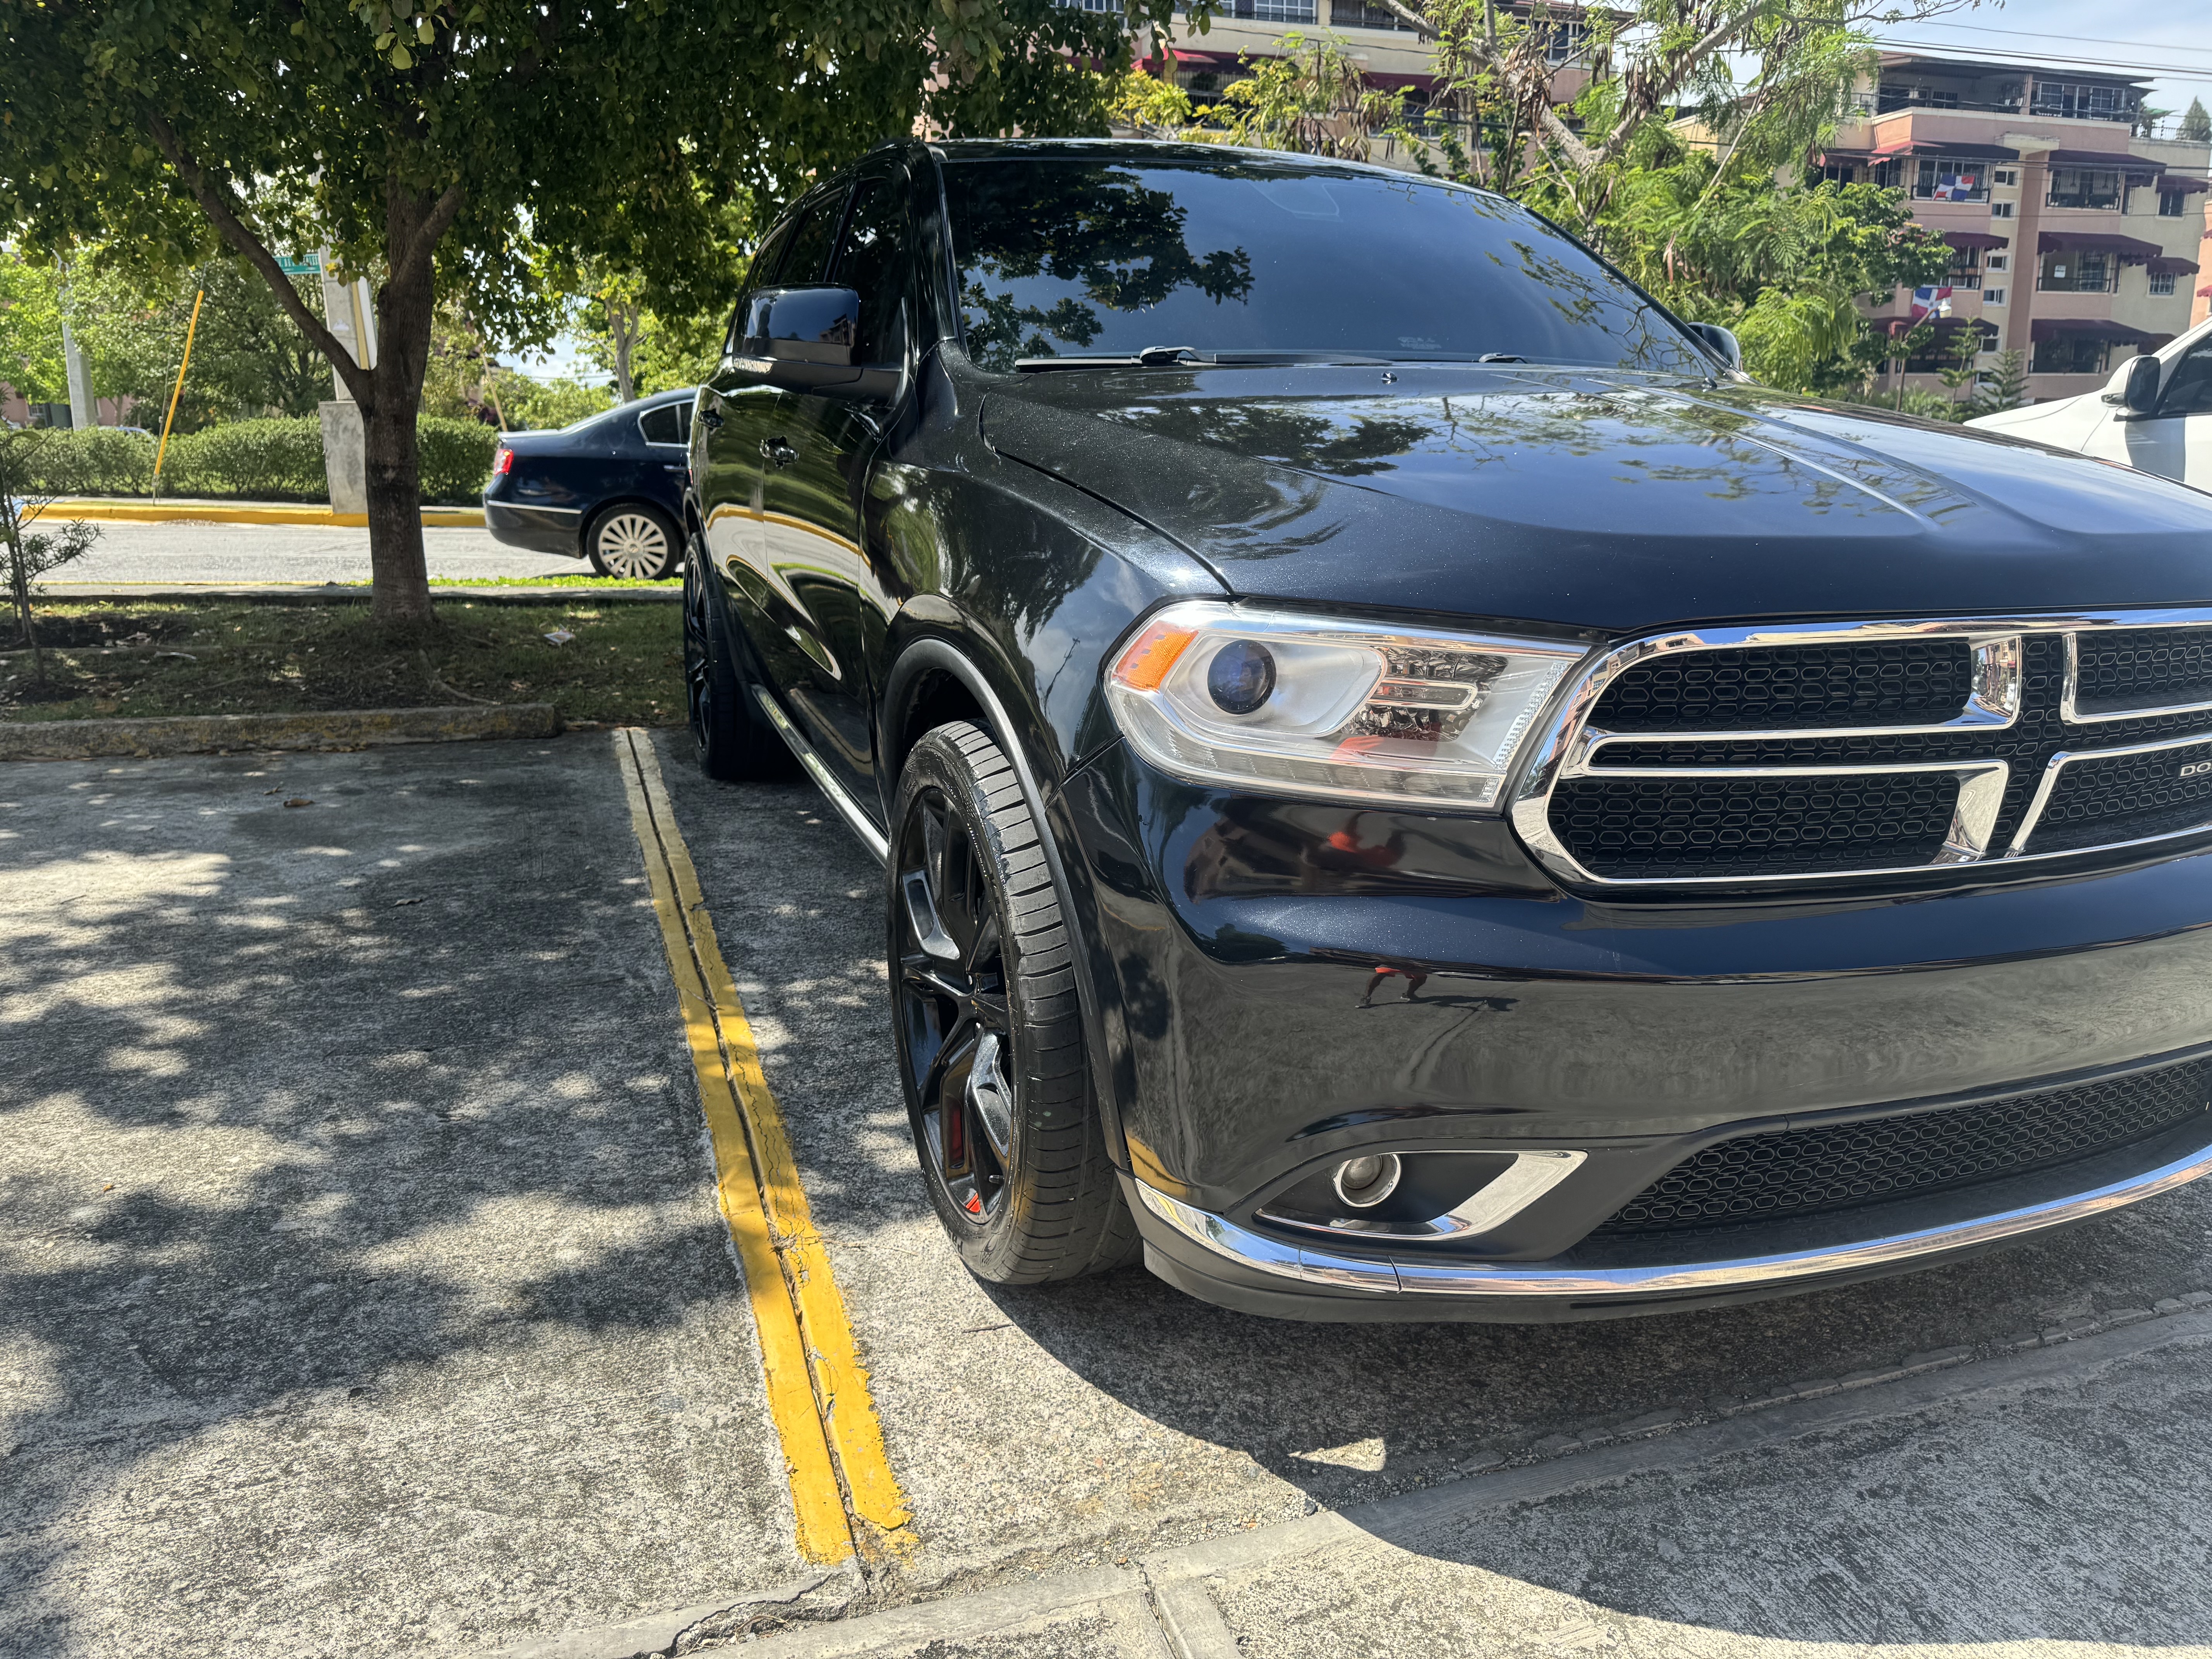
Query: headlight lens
1288	704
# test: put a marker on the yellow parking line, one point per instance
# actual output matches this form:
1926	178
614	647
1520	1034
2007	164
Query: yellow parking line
818	1389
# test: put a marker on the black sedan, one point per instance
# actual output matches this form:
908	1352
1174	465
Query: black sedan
609	489
1408	787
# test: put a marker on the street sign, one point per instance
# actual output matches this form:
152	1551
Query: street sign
310	267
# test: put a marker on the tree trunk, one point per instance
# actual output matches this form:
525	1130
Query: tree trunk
399	583
622	328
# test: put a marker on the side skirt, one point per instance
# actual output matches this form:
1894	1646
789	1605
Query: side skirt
855	817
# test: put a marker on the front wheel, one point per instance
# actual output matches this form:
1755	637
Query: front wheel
730	739
635	543
990	1040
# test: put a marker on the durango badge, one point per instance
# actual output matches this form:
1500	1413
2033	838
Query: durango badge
2196	769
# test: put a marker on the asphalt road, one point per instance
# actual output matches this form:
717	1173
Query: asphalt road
361	1291
187	552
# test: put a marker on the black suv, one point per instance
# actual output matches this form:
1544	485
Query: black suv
1409	788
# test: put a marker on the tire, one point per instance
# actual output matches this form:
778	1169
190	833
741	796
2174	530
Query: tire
730	739
989	1037
634	542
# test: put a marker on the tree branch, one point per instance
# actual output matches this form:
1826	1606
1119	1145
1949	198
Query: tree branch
440	219
214	201
1642	100
1428	30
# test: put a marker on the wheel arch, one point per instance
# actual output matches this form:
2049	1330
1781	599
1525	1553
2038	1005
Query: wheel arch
932	675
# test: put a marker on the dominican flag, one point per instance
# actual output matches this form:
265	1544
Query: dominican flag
1956	186
1930	302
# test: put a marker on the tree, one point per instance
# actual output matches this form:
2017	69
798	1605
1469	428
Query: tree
1314	100
2196	123
249	357
431	141
30	330
26	555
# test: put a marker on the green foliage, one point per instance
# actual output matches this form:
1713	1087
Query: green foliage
456	458
2002	386
548	405
264	460
30	330
2197	123
1314	100
27	554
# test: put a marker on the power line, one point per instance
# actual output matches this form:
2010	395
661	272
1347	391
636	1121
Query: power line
2041	35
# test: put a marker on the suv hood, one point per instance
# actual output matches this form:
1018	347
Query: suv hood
1610	502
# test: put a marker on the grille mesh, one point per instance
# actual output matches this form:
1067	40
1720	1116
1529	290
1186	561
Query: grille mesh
1876	682
1655	827
1625	827
1837	1166
2139	666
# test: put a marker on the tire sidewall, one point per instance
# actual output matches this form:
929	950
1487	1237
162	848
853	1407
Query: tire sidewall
988	1247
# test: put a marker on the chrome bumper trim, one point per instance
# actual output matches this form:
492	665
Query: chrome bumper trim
1398	1274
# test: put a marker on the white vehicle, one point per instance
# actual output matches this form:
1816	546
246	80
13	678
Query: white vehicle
2155	414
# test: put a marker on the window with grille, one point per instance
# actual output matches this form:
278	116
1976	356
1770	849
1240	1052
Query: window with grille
2081	102
2170	203
2161	281
2084	187
2069	355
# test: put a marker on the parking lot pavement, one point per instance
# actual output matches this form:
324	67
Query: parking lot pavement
193	552
361	1287
1056	1429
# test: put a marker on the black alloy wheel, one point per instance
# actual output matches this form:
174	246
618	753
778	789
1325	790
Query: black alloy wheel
989	1036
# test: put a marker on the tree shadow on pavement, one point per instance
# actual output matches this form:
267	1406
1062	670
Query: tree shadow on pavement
361	1285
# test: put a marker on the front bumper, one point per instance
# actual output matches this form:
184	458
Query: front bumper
1214	1259
1287	987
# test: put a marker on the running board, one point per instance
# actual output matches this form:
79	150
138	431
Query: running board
856	819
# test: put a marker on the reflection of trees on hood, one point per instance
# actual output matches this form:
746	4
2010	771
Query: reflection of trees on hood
1310	440
1094	226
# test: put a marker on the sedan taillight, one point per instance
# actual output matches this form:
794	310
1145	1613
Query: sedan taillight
502	461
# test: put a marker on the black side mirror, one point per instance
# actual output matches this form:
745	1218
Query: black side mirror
2134	388
1723	342
801	339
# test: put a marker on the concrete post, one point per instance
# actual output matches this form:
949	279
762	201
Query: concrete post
84	409
344	455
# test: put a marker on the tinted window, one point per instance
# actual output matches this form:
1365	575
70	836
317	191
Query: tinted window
806	255
2189	383
874	261
663	425
1083	255
759	274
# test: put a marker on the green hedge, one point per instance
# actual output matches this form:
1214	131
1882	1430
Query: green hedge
279	460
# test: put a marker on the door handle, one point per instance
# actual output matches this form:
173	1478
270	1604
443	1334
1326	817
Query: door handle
778	452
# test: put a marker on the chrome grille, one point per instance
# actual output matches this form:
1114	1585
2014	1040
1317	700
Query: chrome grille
1778	754
1835	1166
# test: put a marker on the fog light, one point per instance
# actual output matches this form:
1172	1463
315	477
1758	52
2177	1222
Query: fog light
1364	1183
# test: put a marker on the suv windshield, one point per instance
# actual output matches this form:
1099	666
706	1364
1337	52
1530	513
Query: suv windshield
1110	255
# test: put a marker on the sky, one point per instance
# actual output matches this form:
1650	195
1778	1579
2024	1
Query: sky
2169	38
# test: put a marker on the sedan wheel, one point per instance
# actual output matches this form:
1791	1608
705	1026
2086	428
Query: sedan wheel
989	1036
634	542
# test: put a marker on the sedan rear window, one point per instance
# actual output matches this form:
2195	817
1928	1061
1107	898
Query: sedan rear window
1110	255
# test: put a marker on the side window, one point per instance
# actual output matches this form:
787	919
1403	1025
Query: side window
663	425
2189	388
806	257
876	260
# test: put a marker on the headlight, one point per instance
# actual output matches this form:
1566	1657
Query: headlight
1282	703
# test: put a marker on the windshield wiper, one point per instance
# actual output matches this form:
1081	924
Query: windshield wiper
1190	357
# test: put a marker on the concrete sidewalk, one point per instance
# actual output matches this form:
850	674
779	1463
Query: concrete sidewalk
361	1288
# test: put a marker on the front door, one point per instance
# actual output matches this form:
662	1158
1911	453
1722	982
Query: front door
813	527
743	417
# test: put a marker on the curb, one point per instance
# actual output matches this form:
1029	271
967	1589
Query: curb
115	512
336	593
194	734
1171	1585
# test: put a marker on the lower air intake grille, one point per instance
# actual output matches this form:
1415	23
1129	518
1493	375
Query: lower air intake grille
1658	827
1838	1166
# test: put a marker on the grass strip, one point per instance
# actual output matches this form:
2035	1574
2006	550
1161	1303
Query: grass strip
621	665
